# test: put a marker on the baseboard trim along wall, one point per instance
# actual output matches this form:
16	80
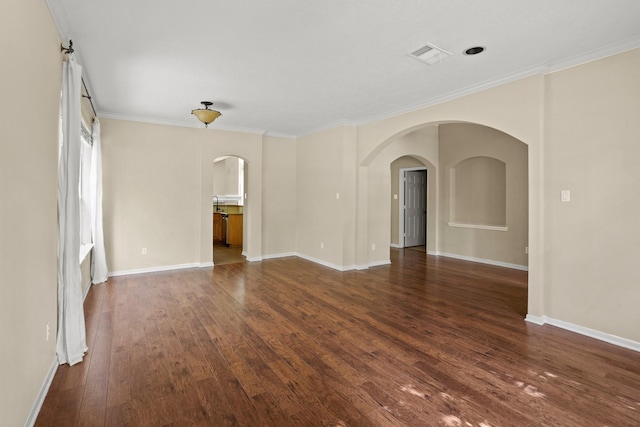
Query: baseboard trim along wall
379	263
37	405
313	259
482	261
282	255
159	268
327	264
602	336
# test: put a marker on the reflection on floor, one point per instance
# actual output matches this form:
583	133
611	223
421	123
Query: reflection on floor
422	248
222	254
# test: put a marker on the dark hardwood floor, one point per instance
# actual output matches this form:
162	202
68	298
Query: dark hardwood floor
424	341
222	254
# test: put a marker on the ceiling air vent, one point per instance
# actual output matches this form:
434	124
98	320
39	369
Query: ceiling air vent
429	54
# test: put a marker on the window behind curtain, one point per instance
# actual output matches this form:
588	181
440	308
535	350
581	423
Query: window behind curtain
85	192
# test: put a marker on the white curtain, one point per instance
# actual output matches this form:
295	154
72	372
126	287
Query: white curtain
71	343
99	271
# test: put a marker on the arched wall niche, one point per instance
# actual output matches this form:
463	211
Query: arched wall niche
478	190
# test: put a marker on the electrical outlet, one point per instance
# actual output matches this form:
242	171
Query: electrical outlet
395	197
144	251
337	196
373	246
321	245
526	249
48	332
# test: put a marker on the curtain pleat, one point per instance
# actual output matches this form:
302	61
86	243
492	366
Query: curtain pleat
99	270
71	339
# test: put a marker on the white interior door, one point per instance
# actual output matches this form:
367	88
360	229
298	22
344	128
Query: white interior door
415	208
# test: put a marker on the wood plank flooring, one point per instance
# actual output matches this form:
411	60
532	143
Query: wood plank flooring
223	254
424	341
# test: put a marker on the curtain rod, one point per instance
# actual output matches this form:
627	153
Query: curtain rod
69	50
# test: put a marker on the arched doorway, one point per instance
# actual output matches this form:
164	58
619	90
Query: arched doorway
228	200
409	215
471	150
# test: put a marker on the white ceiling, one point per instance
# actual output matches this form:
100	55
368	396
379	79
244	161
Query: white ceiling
291	67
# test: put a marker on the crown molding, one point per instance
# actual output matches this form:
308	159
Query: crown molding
280	135
59	15
518	75
179	123
330	126
549	68
594	55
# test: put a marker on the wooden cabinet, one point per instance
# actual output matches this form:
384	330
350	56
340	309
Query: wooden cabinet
217	227
234	230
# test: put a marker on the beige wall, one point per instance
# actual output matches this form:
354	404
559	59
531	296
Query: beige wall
592	149
319	178
151	195
459	142
158	189
30	75
279	196
478	191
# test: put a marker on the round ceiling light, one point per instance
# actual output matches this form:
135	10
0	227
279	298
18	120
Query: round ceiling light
474	50
205	115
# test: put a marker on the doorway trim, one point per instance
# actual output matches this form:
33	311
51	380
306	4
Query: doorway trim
401	209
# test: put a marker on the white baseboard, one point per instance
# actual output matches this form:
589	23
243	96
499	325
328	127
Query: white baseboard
379	263
538	320
42	394
326	264
396	245
482	261
157	269
434	253
312	259
599	335
282	255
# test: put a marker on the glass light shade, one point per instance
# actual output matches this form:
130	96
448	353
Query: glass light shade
205	115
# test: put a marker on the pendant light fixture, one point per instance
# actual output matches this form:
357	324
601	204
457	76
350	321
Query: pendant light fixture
205	115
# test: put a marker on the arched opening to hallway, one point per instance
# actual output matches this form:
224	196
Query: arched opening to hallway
478	198
409	203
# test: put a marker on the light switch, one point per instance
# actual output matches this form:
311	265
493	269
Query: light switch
565	196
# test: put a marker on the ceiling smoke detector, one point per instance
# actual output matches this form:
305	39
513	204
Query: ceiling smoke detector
429	54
